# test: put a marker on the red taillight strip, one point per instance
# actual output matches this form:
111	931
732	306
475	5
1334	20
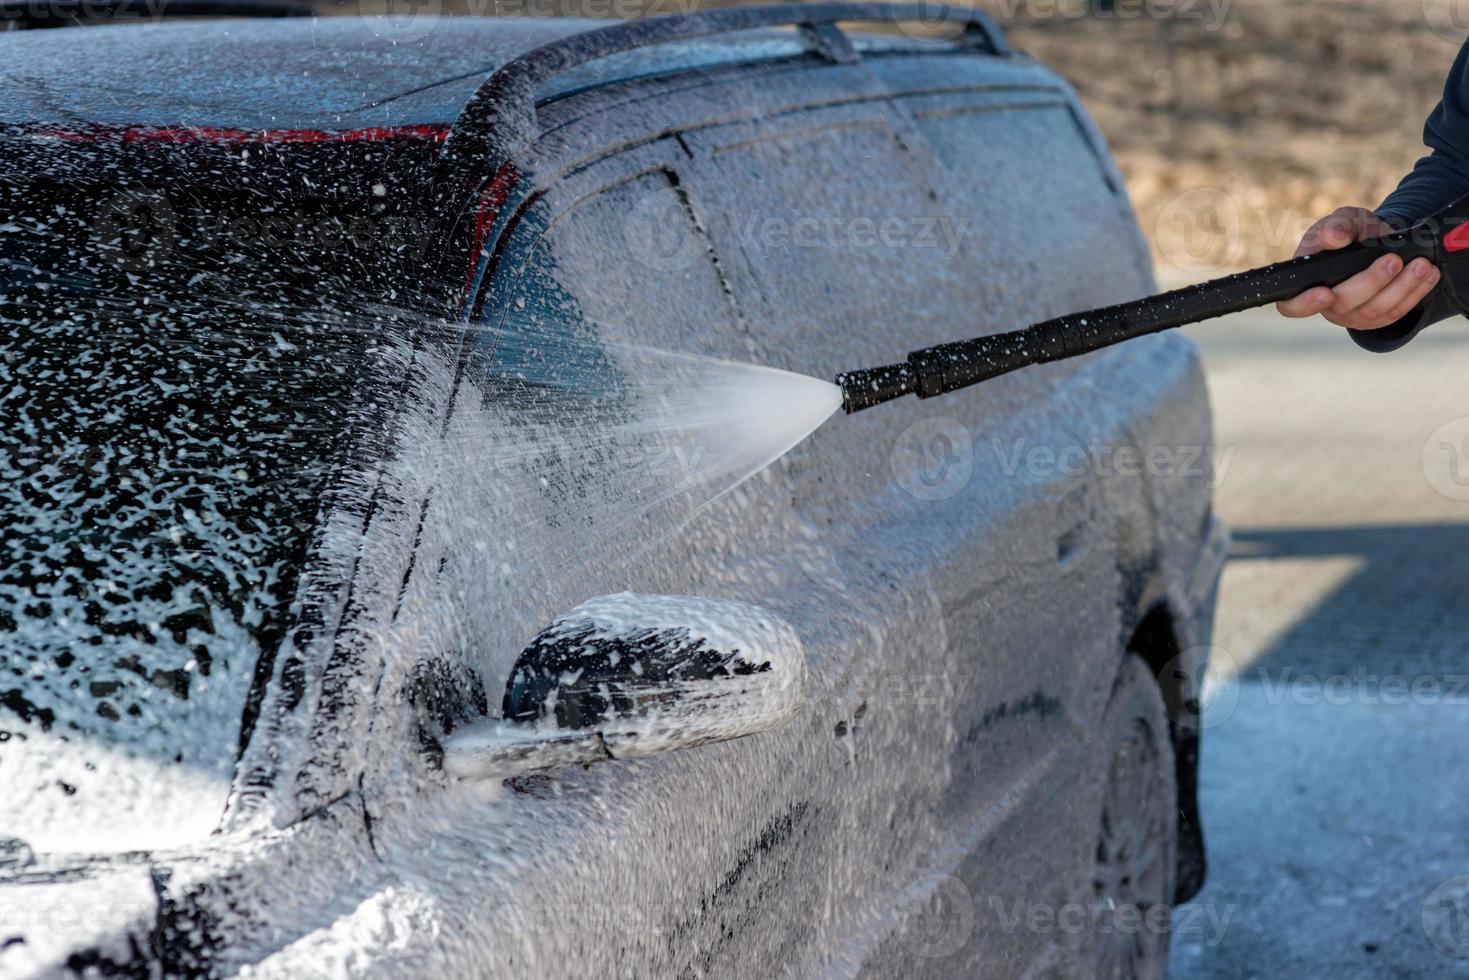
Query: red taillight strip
491	200
435	132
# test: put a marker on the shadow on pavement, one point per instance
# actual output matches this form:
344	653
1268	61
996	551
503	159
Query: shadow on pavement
1404	613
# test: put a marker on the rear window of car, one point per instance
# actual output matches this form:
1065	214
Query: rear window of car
163	444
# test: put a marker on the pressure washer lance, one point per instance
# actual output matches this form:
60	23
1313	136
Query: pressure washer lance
1443	238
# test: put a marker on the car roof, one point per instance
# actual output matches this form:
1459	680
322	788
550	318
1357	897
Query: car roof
326	71
323	73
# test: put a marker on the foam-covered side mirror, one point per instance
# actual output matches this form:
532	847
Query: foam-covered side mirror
629	675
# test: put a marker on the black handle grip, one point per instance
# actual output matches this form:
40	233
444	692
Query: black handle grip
949	366
1442	238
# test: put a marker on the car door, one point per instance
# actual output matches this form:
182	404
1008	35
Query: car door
938	747
591	290
851	233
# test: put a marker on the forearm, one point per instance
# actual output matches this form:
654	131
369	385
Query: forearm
1442	177
1435	182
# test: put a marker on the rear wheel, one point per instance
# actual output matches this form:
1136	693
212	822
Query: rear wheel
1136	833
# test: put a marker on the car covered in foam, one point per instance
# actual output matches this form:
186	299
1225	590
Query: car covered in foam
317	613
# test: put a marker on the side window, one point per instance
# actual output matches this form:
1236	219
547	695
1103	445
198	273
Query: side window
628	267
878	228
1043	213
1006	147
841	235
565	431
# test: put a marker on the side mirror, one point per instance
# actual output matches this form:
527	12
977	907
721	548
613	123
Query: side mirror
629	675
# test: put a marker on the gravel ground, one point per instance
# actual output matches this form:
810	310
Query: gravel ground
1333	782
1238	122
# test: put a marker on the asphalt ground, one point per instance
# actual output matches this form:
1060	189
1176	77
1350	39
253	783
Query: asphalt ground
1334	782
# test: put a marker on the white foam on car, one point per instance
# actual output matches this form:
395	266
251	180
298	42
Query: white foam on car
575	486
596	451
159	474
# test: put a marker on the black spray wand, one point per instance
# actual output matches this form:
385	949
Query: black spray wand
1443	239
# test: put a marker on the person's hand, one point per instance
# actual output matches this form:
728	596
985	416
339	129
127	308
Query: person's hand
1383	293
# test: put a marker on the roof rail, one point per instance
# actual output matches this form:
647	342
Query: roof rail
500	118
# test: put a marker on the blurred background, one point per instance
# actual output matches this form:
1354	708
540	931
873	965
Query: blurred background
1288	107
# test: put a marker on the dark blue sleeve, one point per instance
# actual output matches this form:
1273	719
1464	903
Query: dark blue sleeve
1440	178
1435	182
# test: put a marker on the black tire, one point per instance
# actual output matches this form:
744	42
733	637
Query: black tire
1135	832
